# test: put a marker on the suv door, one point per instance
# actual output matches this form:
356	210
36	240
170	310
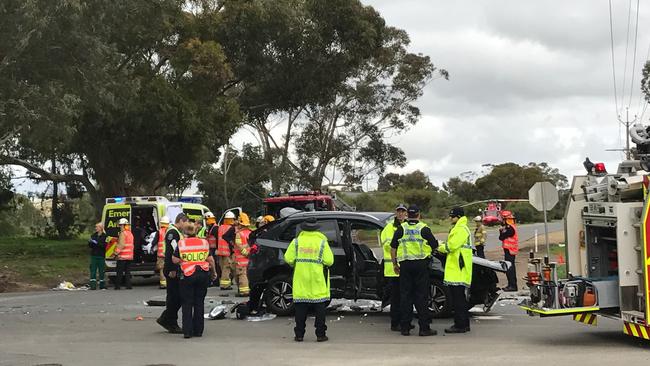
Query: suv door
362	237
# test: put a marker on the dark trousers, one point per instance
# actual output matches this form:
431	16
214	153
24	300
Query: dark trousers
512	272
97	268
123	274
461	308
320	310
193	291
414	290
172	302
480	251
395	314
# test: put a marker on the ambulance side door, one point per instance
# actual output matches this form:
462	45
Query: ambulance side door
113	214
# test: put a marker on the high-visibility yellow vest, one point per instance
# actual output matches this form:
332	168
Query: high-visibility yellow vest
412	246
386	238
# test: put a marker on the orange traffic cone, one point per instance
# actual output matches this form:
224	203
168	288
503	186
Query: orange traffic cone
560	259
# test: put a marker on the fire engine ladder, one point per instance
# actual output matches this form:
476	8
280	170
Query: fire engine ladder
341	205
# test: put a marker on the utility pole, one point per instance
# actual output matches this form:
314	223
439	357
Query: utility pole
627	124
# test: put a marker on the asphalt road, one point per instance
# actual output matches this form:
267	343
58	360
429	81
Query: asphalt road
99	328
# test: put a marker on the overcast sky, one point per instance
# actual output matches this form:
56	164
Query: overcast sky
530	81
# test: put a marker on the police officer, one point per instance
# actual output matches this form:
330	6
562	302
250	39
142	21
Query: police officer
169	318
458	268
196	265
309	253
389	271
411	249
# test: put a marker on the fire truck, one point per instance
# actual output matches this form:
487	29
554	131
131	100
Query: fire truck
607	226
304	201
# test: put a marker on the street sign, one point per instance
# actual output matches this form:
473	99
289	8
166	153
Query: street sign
543	196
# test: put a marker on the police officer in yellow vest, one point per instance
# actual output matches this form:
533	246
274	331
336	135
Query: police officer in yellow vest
389	271
309	254
411	249
458	268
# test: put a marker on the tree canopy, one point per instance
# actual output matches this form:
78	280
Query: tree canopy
140	97
508	180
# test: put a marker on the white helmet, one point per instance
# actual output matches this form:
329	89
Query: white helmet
164	220
478	219
259	219
123	221
229	215
208	215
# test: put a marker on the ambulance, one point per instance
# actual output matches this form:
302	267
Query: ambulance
144	214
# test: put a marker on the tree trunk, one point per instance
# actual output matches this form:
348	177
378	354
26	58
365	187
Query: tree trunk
55	201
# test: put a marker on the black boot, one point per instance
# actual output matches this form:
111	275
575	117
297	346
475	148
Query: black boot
453	329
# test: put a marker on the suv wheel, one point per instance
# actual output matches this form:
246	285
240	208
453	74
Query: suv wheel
279	295
439	299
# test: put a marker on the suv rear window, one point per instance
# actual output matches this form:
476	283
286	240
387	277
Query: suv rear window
327	227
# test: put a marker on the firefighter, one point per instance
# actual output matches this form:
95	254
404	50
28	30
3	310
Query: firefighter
124	252
197	267
237	236
389	270
97	244
211	234
159	238
508	235
169	318
480	235
458	268
411	249
259	222
309	253
224	253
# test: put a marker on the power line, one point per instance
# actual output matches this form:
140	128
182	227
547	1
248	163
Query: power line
627	52
611	38
636	35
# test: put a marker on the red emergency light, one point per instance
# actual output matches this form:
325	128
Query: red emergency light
600	168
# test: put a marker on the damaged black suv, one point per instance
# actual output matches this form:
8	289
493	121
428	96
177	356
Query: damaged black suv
354	238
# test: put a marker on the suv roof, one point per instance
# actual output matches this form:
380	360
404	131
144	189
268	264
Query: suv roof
378	216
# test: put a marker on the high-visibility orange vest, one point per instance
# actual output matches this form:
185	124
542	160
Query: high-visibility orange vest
161	242
241	244
126	253
194	252
212	239
223	249
512	243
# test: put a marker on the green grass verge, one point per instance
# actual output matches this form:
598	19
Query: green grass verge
44	262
